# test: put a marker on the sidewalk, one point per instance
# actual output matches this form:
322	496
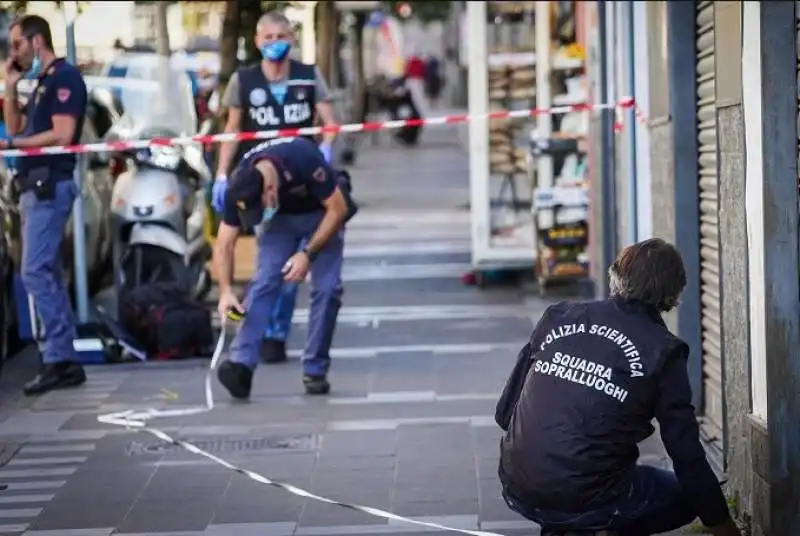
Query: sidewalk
418	364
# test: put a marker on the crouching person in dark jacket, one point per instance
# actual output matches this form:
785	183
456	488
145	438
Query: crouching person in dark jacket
582	396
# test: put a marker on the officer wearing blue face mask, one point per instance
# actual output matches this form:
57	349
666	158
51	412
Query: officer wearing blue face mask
279	92
285	187
53	115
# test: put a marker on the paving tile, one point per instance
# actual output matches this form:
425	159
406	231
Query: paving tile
426	508
360	463
16	528
366	443
30	423
279	511
106	531
439	492
25	499
252	529
487	466
246	501
432	332
319	514
82	511
492	506
170	533
169	516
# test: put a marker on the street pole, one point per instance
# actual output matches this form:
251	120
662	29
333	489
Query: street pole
607	161
626	29
78	218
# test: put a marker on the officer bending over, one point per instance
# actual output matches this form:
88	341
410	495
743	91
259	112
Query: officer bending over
583	394
286	187
53	116
278	92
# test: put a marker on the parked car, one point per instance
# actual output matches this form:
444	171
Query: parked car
97	184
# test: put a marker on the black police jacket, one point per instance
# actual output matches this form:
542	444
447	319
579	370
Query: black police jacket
583	393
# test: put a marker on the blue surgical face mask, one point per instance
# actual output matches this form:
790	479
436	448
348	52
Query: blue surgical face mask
269	213
276	51
36	67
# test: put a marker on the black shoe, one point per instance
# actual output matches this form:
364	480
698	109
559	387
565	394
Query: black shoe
273	351
56	376
236	378
316	385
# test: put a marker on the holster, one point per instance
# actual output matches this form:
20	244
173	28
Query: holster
346	187
40	181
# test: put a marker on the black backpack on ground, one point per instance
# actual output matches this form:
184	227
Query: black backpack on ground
166	322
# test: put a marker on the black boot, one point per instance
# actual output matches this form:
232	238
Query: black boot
316	385
56	376
236	378
273	351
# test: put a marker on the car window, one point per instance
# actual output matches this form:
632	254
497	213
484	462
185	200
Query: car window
116	71
194	81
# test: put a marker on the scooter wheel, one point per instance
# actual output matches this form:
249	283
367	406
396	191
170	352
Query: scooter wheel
348	157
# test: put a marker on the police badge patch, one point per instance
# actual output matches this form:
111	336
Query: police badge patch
258	97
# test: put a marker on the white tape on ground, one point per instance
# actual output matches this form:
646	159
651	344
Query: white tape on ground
138	421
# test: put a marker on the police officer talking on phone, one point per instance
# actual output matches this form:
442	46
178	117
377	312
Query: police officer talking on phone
278	92
53	115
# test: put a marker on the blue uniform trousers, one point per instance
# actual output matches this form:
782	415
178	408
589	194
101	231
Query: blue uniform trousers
275	245
43	223
280	325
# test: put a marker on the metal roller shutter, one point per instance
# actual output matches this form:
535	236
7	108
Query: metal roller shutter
709	225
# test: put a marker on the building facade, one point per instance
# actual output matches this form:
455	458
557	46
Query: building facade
714	169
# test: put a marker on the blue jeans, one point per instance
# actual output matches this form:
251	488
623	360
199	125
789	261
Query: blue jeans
43	225
654	505
275	245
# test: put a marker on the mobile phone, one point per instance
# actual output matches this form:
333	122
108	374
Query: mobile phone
16	66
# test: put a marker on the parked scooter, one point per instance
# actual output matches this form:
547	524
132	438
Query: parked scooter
397	99
158	201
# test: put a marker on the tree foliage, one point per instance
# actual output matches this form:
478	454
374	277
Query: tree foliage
19	6
239	22
423	10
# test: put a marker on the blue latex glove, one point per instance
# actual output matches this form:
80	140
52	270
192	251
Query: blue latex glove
218	193
326	148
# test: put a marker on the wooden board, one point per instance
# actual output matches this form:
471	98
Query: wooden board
244	259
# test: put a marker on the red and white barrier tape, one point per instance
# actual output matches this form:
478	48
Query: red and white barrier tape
639	115
311	131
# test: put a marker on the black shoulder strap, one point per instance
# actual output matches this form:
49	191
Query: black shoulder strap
301	70
247	75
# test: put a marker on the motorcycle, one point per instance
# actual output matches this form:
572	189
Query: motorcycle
397	99
158	204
